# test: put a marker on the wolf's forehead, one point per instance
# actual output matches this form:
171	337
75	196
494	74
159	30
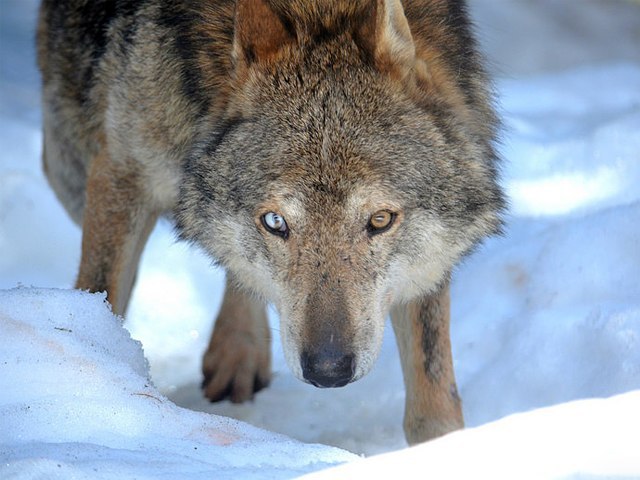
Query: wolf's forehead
323	201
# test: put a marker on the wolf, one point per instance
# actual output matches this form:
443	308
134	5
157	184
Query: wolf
336	158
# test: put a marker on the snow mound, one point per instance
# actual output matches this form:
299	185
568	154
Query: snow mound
581	439
77	402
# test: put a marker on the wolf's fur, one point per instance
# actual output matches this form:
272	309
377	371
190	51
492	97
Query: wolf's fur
324	112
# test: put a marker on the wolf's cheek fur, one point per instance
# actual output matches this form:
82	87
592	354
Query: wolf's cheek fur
234	242
423	259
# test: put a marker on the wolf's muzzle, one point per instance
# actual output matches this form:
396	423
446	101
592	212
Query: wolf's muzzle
328	368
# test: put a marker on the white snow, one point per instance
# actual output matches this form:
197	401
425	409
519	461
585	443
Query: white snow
546	319
581	439
77	403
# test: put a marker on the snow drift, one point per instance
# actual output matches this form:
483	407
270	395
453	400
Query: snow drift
77	403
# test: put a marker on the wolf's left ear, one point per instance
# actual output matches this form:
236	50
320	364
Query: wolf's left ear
386	35
260	34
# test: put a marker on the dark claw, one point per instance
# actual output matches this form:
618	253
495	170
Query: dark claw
259	384
222	394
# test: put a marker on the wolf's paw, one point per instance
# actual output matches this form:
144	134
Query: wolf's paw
236	365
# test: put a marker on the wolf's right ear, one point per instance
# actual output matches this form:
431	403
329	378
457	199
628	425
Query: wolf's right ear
260	35
386	35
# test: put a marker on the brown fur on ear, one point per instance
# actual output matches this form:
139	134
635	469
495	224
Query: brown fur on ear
320	17
260	34
386	35
263	28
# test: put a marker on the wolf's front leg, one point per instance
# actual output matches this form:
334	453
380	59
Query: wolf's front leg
238	360
432	406
116	224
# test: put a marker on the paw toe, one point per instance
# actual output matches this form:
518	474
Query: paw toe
238	386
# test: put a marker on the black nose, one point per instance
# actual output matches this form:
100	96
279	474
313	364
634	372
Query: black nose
327	368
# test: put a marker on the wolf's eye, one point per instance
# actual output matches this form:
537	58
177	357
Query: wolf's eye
275	224
380	222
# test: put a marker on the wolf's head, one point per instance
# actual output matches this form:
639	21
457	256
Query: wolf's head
353	170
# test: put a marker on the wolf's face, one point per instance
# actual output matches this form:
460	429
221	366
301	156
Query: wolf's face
334	196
